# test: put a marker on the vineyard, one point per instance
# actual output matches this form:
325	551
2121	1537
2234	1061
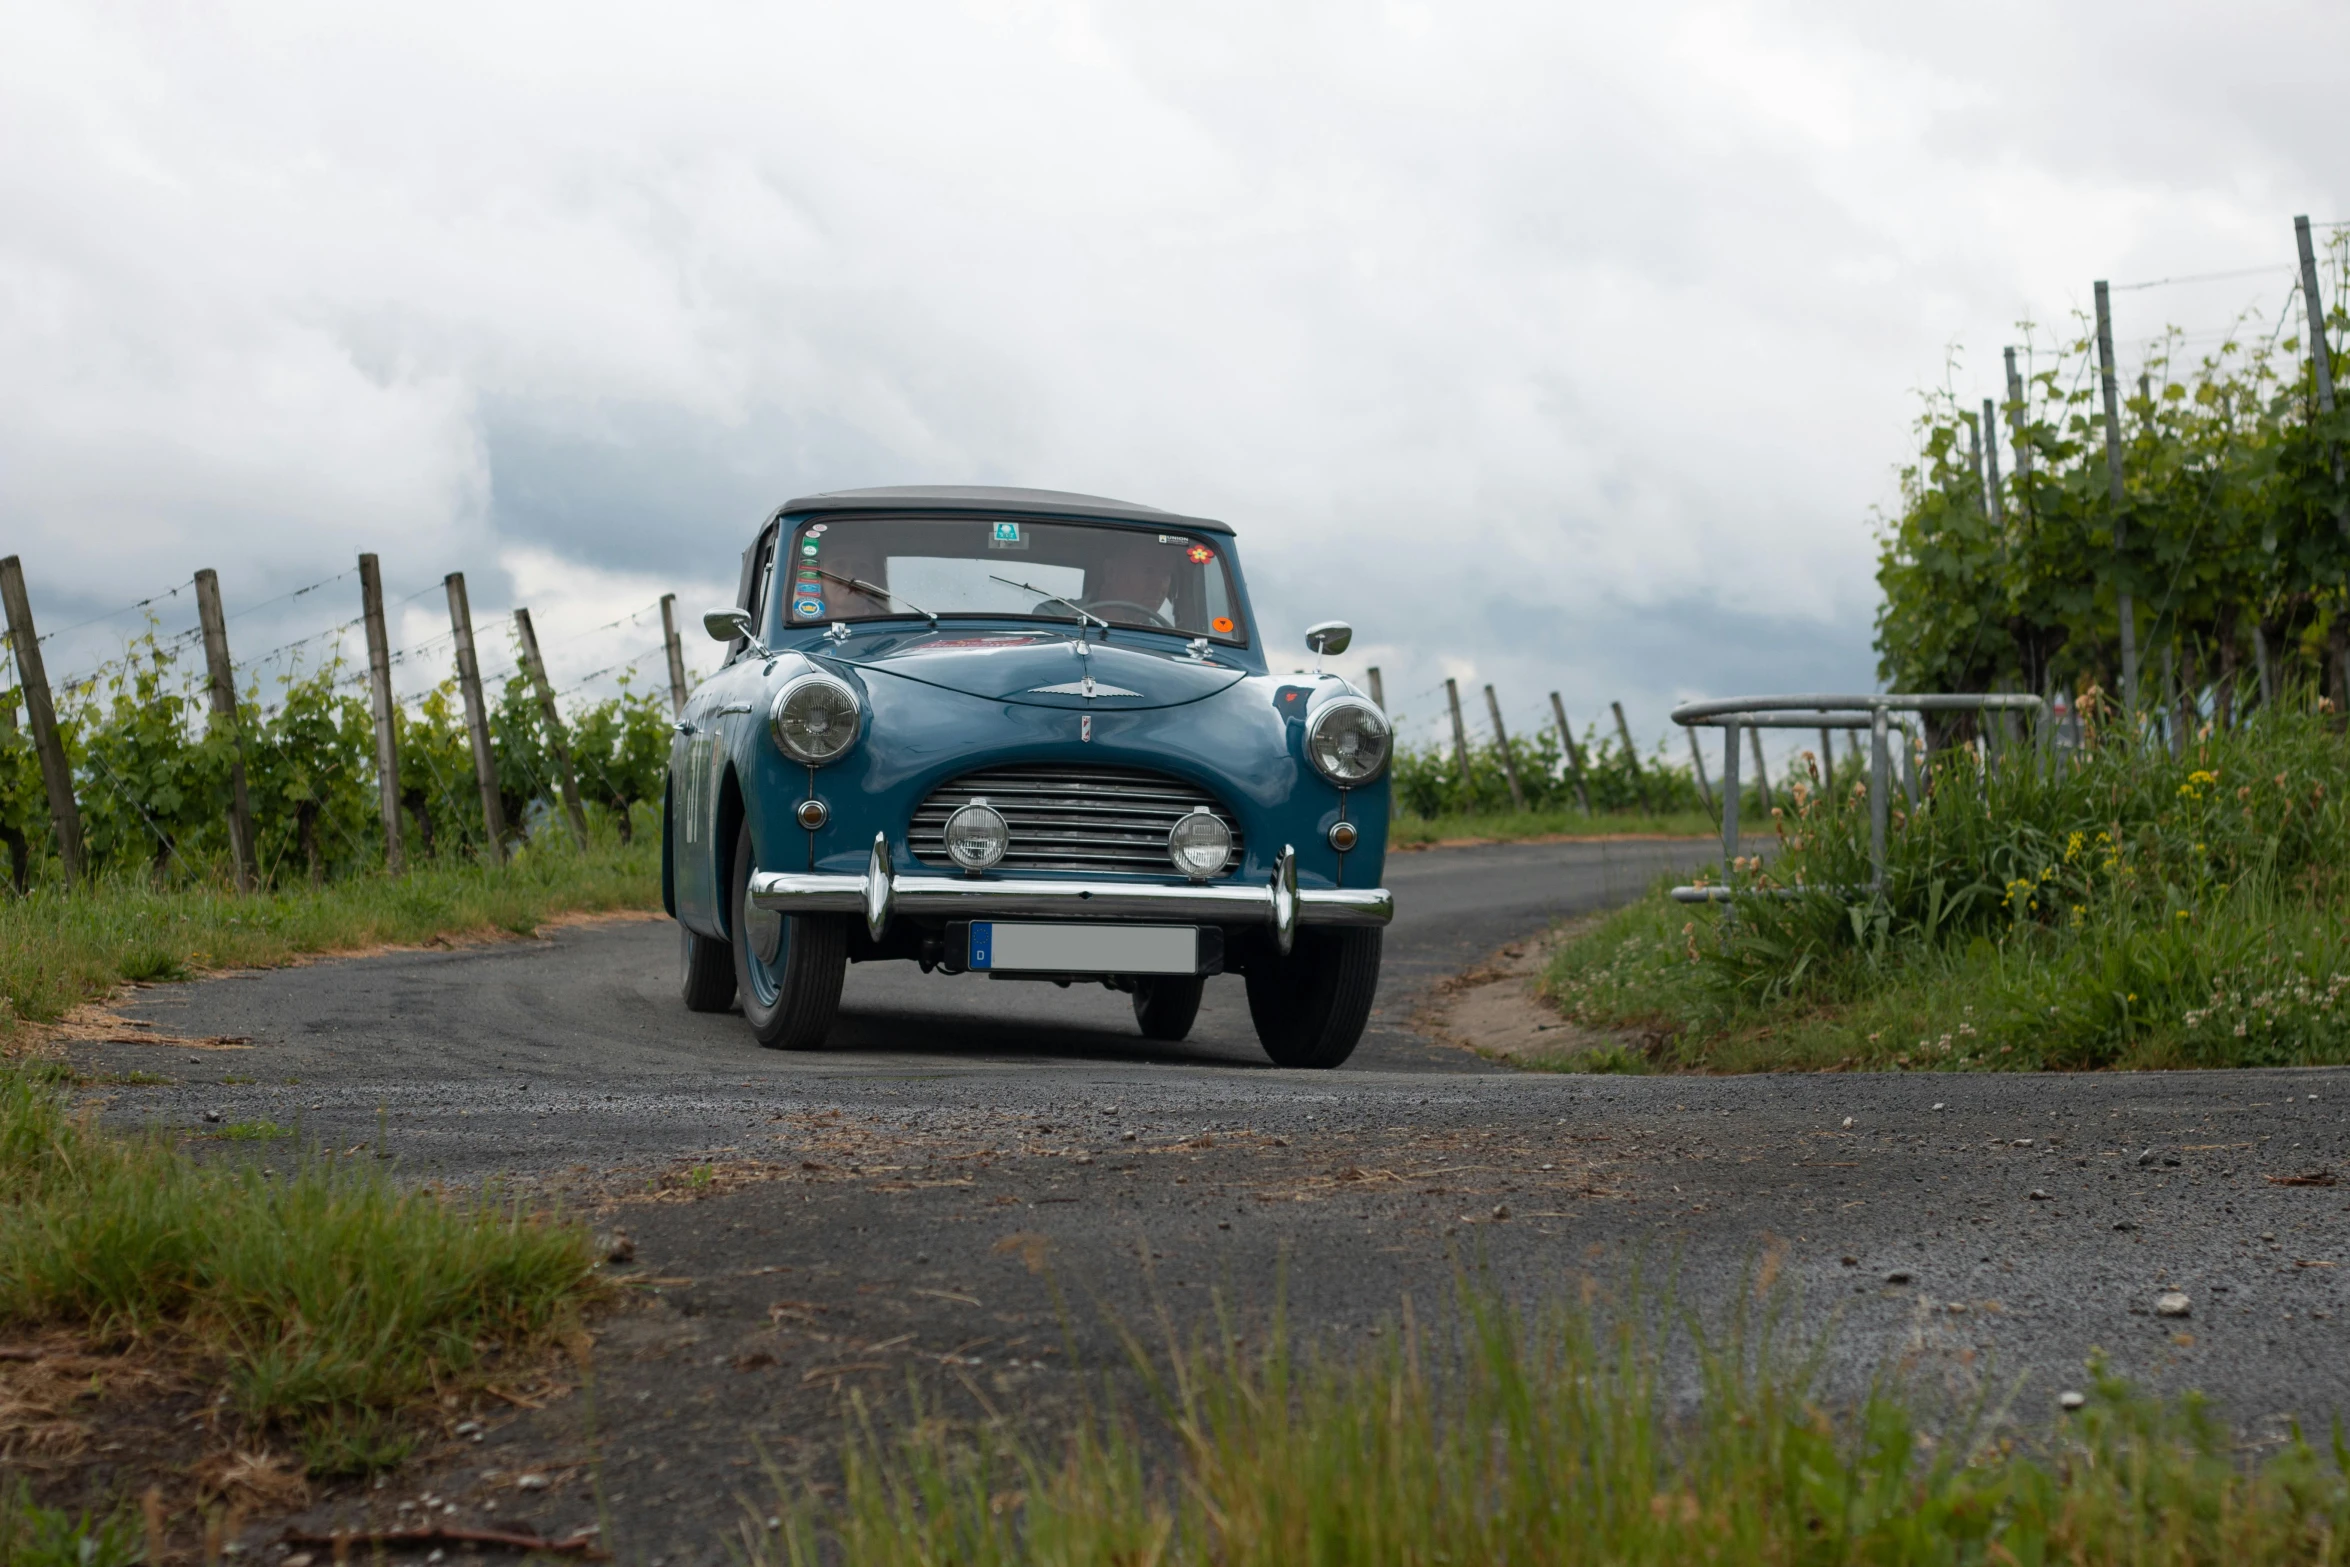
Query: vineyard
157	762
2192	518
2155	878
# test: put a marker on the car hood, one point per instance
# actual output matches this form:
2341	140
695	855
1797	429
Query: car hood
1044	670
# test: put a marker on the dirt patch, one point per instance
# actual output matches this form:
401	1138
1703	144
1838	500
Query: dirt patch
1497	1011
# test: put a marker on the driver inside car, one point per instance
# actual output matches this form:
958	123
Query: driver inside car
1134	587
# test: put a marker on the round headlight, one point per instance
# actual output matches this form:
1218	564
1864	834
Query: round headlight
815	719
1348	742
977	836
1199	845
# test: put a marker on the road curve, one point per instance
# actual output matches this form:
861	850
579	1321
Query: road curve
958	1130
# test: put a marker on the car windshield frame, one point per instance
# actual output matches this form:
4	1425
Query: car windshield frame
1011	558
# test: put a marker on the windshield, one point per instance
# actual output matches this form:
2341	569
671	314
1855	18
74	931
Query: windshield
858	568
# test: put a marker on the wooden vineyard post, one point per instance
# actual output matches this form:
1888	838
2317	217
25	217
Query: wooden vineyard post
1558	710
536	668
2127	609
477	717
1509	762
676	652
1631	755
379	688
1762	770
1460	732
223	676
1705	788
2321	369
1993	506
41	717
1378	690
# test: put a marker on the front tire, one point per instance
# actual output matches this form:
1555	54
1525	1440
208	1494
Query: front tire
787	967
706	972
1166	1005
1311	1007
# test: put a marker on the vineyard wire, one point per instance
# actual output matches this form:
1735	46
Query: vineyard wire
295	594
2197	277
161	593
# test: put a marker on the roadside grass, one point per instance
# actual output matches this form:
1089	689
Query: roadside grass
60	948
1515	826
331	1302
35	1536
1557	1436
2130	910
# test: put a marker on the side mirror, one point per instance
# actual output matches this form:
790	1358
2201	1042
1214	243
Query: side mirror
1329	639
724	625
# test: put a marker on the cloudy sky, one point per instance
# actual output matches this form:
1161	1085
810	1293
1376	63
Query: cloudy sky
1558	346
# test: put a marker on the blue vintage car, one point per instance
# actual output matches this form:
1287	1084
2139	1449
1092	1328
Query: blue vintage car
1022	735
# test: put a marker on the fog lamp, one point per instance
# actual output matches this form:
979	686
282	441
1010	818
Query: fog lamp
977	836
1199	844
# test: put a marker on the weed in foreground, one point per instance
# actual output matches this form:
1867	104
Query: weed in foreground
35	1536
1554	1437
332	1300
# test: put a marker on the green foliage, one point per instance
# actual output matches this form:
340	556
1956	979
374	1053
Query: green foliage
2233	521
330	1297
35	1536
2113	907
620	747
1429	781
1555	1436
152	768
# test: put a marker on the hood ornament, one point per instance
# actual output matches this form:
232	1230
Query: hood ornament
1089	688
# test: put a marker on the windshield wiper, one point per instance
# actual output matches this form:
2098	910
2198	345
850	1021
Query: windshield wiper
1083	614
874	590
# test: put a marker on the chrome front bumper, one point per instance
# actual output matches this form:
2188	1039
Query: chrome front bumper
881	893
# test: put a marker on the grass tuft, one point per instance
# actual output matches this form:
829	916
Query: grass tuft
331	1299
1557	1437
35	1536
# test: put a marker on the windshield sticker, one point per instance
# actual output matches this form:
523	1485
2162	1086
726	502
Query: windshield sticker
808	609
820	527
1005	536
1200	554
1222	625
809	548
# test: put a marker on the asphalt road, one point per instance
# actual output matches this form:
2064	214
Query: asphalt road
977	1180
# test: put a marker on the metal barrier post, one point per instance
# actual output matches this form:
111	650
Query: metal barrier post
1729	795
1827	714
1880	795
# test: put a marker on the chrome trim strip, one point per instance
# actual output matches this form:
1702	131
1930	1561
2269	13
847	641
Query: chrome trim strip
983	898
880	888
1284	895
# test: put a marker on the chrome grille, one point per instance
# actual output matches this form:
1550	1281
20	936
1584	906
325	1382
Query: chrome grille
1098	819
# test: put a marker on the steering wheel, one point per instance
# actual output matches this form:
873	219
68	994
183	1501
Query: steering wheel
1155	617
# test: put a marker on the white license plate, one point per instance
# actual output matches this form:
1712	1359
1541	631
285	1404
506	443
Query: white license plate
1000	948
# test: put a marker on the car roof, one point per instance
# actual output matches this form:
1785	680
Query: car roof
996	498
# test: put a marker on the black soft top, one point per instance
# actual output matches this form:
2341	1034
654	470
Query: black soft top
997	499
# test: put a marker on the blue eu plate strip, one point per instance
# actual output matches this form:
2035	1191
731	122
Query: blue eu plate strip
982	941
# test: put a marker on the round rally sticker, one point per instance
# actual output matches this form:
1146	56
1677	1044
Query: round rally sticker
1221	623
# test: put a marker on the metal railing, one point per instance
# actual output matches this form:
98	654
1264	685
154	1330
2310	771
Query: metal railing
1873	713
